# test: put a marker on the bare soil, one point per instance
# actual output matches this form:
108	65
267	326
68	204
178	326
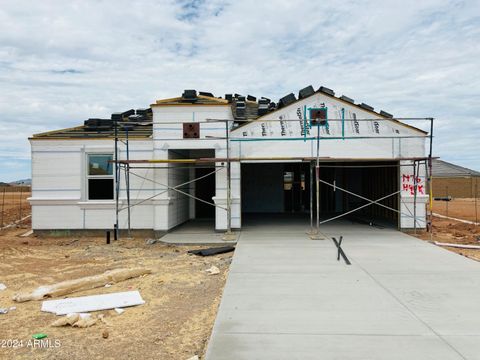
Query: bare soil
181	299
174	323
458	208
13	206
450	231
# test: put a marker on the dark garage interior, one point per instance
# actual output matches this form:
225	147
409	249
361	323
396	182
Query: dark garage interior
284	188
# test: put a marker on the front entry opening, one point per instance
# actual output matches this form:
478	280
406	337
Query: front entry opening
204	189
198	181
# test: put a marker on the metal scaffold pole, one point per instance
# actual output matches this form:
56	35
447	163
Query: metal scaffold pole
476	196
415	175
229	235
311	198
20	204
3	206
317	235
117	180
430	165
317	178
127	183
313	160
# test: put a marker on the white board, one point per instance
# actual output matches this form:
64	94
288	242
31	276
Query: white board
93	303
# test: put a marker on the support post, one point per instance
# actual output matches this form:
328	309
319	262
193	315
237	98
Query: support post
317	235
127	182
476	196
20	208
229	235
117	178
430	180
311	198
229	190
446	202
3	205
317	178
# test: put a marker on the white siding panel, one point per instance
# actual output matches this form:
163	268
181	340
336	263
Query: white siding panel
46	217
99	218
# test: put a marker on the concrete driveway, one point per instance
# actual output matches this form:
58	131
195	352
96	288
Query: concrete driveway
287	297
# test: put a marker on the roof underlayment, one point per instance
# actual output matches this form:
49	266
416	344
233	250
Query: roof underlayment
139	129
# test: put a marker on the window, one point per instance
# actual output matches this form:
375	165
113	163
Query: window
100	177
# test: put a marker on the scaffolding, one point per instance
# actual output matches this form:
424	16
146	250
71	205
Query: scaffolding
126	165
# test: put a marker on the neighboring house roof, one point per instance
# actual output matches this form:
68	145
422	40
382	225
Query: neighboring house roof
442	168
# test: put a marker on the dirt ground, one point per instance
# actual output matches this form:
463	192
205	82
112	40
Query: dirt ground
174	323
13	206
181	299
450	231
458	208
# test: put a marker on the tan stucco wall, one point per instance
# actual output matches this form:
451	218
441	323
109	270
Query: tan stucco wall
456	187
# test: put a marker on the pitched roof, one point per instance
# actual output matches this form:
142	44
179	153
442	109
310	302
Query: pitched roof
442	168
199	100
246	116
79	132
364	107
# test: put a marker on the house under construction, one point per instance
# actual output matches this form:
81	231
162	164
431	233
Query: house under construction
195	156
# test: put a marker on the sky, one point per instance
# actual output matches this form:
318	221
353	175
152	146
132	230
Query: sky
62	62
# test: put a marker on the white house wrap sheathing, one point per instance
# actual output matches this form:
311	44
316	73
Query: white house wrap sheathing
59	199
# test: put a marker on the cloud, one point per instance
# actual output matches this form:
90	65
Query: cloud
62	62
67	71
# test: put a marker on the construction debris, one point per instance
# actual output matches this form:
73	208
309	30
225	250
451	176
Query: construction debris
89	282
105	334
443	198
212	251
456	219
93	303
6	310
69	319
461	246
85	322
151	241
76	320
213	270
2	286
119	311
28	233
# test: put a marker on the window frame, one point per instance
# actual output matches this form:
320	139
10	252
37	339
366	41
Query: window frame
89	177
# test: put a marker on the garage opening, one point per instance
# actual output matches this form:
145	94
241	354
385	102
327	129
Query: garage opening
277	189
